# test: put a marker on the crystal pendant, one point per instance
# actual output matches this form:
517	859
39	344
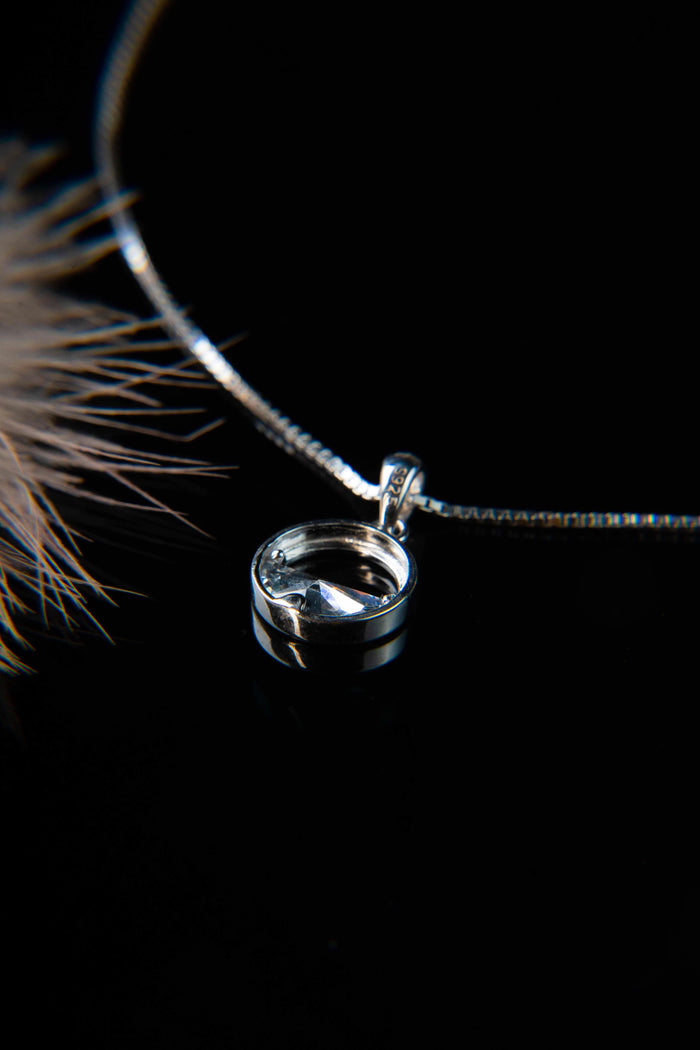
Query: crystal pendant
300	577
292	590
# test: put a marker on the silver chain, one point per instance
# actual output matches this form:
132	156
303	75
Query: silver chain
119	70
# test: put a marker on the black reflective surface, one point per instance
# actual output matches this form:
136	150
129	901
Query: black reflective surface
496	831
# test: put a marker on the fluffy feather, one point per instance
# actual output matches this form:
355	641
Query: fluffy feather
68	370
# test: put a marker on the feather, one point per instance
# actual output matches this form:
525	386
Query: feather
72	374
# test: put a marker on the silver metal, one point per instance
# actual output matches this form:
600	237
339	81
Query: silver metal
109	117
307	656
292	591
400	479
118	74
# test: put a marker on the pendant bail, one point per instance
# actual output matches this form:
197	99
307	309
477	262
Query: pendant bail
400	478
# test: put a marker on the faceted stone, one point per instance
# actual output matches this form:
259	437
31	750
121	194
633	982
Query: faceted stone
315	596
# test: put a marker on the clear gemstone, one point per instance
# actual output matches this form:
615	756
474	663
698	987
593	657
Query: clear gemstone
316	596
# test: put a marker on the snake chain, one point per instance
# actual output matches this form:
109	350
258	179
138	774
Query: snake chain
118	73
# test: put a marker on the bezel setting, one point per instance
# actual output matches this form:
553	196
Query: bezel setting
297	617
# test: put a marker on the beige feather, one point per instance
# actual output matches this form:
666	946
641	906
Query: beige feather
68	370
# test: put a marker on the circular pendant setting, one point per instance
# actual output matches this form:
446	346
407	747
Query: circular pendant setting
334	582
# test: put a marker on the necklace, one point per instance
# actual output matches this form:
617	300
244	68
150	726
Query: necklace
328	581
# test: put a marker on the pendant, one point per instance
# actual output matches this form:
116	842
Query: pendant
340	583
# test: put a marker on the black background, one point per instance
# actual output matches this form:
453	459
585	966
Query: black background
470	240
